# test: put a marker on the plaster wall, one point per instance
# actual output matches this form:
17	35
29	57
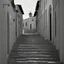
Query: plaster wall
43	18
29	21
19	21
3	28
62	30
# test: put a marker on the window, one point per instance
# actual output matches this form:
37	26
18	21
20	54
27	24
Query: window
26	23
32	19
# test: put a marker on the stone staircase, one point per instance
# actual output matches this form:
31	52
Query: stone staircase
33	49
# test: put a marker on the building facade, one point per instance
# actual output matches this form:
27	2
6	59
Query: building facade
49	14
58	26
7	28
7	19
19	20
29	25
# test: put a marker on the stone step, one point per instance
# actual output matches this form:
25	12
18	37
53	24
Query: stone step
50	59
47	53
35	50
32	47
29	45
35	62
33	59
34	55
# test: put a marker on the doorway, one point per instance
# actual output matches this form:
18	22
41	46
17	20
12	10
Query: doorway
30	26
50	20
8	31
16	26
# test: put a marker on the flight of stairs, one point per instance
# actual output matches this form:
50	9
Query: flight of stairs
33	49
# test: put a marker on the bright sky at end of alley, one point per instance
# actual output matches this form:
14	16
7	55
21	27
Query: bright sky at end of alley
27	5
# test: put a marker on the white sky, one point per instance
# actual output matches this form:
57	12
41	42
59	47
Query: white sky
28	6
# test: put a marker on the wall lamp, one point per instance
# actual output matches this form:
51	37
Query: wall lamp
6	5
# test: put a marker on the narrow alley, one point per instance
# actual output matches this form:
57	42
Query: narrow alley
33	49
31	31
